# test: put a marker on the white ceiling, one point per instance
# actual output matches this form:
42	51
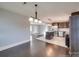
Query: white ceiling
54	11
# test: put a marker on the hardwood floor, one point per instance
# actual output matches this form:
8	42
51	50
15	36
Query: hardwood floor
35	48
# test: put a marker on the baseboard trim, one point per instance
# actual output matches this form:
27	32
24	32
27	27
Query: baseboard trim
13	45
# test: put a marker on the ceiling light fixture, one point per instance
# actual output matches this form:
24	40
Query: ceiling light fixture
35	19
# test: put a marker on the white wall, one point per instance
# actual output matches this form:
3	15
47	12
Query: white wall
14	28
38	28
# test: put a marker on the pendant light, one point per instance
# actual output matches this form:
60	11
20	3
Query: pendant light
35	19
31	19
